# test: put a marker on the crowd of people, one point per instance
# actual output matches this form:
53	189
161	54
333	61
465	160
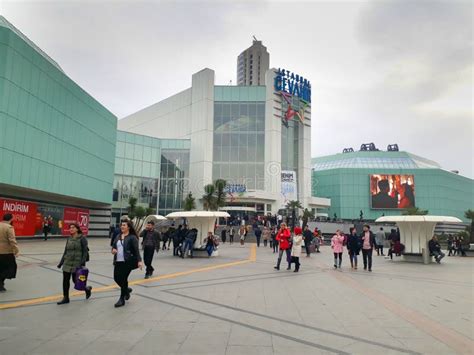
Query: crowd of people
125	248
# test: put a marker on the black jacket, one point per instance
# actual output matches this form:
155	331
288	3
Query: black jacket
308	236
131	252
433	246
155	239
354	243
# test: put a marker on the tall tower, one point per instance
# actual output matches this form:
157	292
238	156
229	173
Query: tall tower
252	64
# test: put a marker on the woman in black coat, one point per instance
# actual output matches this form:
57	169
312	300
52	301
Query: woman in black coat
126	258
353	246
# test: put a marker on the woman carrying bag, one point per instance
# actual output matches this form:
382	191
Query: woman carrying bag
296	248
126	258
76	254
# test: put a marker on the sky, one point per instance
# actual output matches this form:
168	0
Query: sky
381	71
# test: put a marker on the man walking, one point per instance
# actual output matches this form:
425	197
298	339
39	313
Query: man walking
8	251
368	242
150	243
258	234
308	238
379	241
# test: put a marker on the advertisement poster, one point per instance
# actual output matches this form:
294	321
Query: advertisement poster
392	191
75	215
24	214
289	189
54	215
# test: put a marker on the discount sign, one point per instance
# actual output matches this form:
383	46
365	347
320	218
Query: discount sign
24	215
76	215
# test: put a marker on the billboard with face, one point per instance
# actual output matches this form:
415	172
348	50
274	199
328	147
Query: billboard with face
392	191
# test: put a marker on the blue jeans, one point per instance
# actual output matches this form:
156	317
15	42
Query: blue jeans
188	245
209	249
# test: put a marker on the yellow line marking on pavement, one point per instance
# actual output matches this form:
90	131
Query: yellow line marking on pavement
460	343
252	258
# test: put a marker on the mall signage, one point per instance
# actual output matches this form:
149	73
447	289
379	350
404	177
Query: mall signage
235	188
292	84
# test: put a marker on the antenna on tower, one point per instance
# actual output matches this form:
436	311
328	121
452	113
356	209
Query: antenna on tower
255	38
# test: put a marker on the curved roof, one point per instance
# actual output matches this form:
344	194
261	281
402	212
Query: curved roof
199	214
376	160
437	219
5	23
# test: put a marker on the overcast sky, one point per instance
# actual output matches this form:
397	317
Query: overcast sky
381	71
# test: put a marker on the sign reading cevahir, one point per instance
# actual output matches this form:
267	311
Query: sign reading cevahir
292	84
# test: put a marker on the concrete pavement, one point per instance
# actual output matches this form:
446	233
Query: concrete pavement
238	304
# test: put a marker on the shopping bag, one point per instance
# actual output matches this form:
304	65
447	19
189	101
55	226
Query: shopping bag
80	283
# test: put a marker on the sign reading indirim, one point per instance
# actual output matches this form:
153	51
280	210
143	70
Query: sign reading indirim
292	84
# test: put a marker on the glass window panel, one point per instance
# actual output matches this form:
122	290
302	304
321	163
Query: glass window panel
217	139
217	110
216	171
147	153
243	154
128	167
234	170
138	152
252	109
225	172
243	140
137	168
129	148
225	140
119	163
226	154
261	109
235	110
120	150
244	109
147	169
226	110
234	140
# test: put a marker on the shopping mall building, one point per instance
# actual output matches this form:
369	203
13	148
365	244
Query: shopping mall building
377	183
62	156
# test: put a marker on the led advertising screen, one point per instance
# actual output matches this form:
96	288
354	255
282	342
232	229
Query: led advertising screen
392	191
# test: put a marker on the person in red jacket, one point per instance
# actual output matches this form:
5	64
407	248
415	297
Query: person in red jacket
283	238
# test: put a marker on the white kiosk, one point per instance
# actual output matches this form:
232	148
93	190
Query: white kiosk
203	221
415	232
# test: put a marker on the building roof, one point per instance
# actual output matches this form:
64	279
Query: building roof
373	159
5	23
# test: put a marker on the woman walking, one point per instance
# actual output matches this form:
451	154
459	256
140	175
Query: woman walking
273	240
126	258
283	238
76	254
242	234
266	236
296	248
337	245
353	246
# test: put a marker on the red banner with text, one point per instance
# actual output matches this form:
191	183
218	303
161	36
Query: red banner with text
75	215
24	215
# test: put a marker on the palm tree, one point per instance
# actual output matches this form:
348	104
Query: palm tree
189	202
307	215
208	199
293	206
414	211
220	193
469	214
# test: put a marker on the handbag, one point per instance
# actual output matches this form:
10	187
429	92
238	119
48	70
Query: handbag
80	282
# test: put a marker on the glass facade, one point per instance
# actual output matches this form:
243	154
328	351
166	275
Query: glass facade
174	180
239	143
142	171
54	137
440	192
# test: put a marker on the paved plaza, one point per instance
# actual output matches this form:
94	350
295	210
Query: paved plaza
237	303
